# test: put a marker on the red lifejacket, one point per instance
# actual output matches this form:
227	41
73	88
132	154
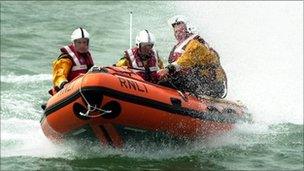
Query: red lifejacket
148	72
82	62
178	49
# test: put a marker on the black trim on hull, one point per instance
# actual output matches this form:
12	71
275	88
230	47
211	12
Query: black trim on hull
215	116
62	103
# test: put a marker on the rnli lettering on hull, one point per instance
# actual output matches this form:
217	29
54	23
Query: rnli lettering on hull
132	85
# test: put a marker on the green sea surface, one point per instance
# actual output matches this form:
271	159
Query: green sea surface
31	35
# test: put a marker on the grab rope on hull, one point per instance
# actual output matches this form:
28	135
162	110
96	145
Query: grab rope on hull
90	107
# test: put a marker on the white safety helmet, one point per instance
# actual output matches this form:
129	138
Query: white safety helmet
180	18
145	36
79	33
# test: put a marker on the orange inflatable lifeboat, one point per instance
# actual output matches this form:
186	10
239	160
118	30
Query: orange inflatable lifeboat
111	102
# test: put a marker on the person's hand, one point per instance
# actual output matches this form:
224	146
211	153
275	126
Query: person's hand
162	73
62	85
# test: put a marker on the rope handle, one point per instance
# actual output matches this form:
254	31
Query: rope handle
90	107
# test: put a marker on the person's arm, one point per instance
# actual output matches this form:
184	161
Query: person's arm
195	54
61	69
160	62
122	62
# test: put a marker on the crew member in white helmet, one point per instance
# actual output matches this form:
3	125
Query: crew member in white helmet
194	66
143	58
74	59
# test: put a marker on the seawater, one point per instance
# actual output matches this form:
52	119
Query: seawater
261	50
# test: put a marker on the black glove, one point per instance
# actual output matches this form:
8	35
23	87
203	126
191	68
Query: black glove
171	68
62	84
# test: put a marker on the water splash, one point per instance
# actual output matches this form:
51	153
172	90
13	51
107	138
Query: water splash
24	79
263	57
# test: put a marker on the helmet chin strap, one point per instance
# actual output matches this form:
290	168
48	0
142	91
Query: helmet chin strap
139	48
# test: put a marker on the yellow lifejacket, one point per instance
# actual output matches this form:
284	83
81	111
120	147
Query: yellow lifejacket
200	55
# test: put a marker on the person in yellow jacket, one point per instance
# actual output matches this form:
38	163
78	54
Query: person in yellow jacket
194	66
74	59
143	59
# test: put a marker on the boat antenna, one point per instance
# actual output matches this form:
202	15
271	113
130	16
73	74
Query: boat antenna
130	29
